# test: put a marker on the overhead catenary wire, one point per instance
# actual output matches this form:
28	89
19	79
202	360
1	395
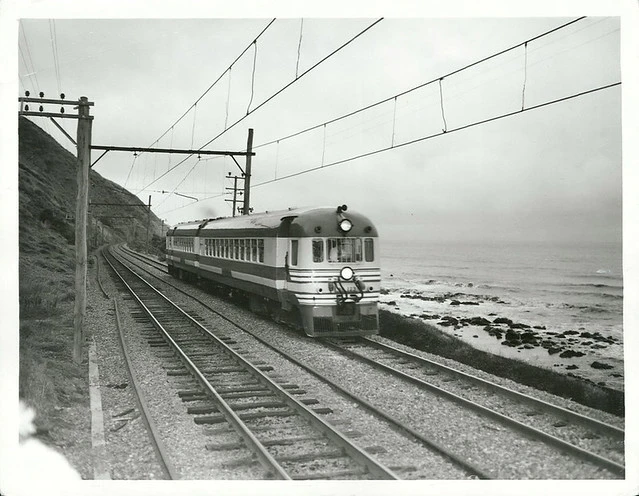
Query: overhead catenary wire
419	86
54	47
441	102
418	140
299	48
228	69
523	90
252	78
317	64
31	65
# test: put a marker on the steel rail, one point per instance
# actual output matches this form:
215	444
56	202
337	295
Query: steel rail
269	463
373	466
597	425
97	274
480	473
158	445
601	427
527	429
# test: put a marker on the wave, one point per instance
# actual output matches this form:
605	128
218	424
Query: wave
593	285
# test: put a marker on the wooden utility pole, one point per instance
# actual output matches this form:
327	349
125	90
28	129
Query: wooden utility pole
247	178
81	209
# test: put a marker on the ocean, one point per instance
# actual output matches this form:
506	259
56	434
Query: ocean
560	287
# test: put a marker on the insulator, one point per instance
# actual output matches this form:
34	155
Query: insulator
26	108
27	93
62	110
62	95
42	94
41	108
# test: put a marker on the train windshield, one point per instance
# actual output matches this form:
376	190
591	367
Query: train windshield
344	250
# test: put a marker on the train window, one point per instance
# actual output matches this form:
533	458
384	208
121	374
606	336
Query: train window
260	250
254	250
294	244
344	249
236	249
242	251
358	250
318	250
369	254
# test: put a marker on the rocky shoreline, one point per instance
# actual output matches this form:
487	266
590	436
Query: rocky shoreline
569	350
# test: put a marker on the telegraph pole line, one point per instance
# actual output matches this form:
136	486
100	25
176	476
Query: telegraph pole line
247	178
81	208
235	191
83	146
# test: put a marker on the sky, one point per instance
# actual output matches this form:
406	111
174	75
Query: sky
549	174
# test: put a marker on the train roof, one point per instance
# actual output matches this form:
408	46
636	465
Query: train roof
295	222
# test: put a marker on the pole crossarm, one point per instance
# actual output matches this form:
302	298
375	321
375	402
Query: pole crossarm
31	99
54	114
118	204
168	150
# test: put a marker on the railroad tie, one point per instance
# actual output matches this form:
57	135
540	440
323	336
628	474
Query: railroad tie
200	409
232	445
287	441
337	474
329	453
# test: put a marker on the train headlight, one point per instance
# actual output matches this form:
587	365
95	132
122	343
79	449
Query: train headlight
345	225
346	273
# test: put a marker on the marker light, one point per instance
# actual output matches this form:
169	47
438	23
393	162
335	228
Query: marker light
345	225
346	273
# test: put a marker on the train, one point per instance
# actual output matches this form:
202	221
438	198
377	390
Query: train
317	267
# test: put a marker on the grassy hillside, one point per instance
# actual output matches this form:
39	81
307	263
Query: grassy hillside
48	378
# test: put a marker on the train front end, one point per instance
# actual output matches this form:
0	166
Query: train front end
334	272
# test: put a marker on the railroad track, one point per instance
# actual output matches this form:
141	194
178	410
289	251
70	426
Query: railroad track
145	258
568	431
587	438
287	435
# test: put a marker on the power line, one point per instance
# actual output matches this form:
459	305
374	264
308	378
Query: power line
269	98
418	140
26	43
54	47
422	85
228	69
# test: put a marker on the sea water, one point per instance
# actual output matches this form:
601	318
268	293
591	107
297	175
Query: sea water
561	287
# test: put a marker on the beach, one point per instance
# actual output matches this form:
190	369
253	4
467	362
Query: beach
557	307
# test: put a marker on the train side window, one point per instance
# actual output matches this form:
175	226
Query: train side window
369	254
254	250
318	250
242	243
294	245
236	249
260	250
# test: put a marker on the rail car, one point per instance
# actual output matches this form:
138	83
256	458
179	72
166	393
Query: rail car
317	266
